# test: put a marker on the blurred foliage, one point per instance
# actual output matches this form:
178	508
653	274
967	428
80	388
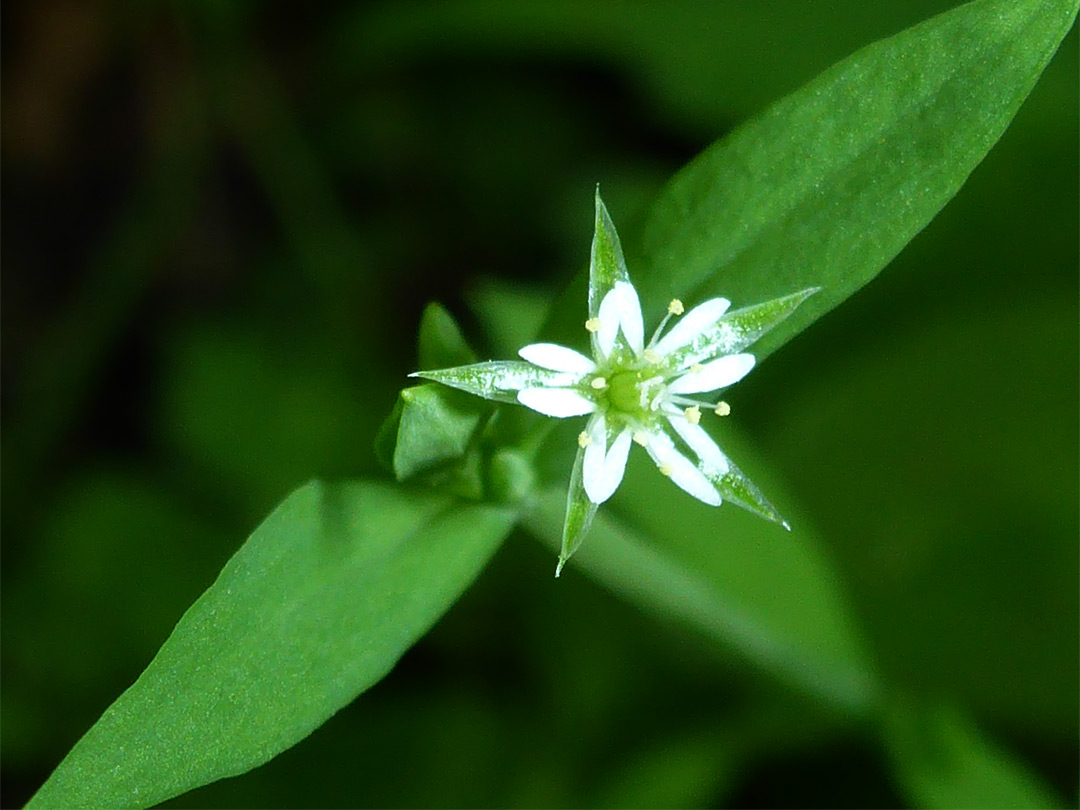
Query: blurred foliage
224	221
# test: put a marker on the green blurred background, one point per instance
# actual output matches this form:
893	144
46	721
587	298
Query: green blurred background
222	223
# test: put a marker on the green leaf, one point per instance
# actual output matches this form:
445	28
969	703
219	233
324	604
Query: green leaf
440	343
829	184
428	427
314	608
941	760
762	593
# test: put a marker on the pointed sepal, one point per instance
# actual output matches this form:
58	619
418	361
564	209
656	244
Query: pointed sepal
580	512
606	265
736	488
500	380
735	331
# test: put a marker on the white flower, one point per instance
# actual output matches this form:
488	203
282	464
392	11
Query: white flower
636	392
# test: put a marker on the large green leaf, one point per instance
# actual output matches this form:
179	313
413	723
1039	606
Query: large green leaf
829	184
941	760
314	608
762	593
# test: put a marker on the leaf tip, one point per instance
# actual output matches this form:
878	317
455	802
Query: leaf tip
559	566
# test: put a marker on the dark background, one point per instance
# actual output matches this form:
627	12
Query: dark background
221	224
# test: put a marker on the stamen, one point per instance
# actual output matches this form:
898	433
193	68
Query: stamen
693	414
666	469
722	408
592	325
675	307
583	439
599	383
641	437
652	356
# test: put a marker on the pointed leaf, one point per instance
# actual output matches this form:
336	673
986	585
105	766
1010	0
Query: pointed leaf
764	595
942	760
318	605
440	343
829	184
500	380
429	426
579	514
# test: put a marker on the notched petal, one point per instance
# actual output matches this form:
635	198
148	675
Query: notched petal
683	472
557	402
557	358
629	308
720	373
701	318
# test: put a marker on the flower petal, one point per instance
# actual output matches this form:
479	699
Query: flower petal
559	402
700	318
579	514
713	461
681	470
499	380
592	469
717	374
557	358
629	308
603	478
609	324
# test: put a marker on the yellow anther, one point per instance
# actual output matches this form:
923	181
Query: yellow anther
652	356
583	439
675	307
599	383
696	368
666	469
722	408
693	415
641	437
592	325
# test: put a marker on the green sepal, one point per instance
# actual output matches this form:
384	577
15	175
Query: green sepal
429	426
499	380
734	487
737	330
440	342
580	512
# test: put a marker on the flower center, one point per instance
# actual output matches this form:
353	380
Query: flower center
624	392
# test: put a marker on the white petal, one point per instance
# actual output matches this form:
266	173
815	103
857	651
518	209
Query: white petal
717	374
603	467
629	307
683	472
712	458
614	468
557	358
696	321
608	315
560	402
592	465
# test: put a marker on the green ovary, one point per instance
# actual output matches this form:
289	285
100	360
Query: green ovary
623	392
